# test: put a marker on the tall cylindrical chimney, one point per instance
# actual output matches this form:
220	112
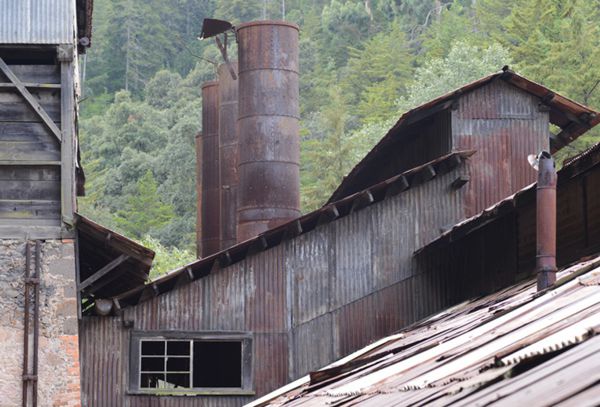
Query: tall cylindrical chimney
210	199
228	154
198	140
546	221
269	146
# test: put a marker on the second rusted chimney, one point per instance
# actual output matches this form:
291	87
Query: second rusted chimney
545	265
210	197
269	141
228	154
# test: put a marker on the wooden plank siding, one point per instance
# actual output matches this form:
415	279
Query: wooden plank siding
30	155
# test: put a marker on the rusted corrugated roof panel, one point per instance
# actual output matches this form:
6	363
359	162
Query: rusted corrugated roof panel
573	118
303	224
524	341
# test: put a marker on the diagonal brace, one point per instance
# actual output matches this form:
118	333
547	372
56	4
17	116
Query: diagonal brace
37	108
103	271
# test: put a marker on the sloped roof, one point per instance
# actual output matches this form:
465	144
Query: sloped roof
306	223
573	118
99	247
515	347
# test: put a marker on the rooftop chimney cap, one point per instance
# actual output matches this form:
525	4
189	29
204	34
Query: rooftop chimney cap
212	27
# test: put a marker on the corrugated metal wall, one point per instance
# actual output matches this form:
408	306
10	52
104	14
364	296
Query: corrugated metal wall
308	300
505	125
37	21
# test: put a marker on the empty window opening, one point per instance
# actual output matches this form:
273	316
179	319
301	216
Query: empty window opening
180	364
217	364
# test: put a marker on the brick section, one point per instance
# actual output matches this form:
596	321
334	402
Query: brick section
59	373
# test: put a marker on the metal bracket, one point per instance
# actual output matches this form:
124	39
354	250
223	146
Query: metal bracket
65	53
223	48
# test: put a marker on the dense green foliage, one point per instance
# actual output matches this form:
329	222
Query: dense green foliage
363	63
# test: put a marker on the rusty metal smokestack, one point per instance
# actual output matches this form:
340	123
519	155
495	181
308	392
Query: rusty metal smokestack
546	222
210	198
269	144
228	154
198	140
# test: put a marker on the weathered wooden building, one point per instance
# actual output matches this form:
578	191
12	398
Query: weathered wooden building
248	319
39	178
52	261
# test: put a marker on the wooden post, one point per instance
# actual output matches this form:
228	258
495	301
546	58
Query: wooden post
66	55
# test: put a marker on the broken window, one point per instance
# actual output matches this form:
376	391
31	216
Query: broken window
181	364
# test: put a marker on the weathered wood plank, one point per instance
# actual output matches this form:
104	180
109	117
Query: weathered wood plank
29	232
29	190
29	209
22	112
65	55
30	222
29	173
30	85
34	73
25	150
26	131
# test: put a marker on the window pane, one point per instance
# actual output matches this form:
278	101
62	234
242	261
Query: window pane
178	364
178	380
153	365
178	348
217	364
151	380
153	347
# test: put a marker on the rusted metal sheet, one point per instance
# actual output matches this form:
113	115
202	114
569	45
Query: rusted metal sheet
225	299
228	154
211	185
102	367
269	144
560	109
270	361
504	125
267	308
456	357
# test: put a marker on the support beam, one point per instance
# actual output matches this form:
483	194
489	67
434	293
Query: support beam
65	55
37	108
103	271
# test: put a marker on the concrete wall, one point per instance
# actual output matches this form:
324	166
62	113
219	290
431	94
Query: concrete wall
58	341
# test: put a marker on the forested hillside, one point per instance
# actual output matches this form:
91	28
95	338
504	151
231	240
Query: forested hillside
363	63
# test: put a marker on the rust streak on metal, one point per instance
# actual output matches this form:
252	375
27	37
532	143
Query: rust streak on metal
546	222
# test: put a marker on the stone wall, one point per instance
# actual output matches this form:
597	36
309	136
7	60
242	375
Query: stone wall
58	377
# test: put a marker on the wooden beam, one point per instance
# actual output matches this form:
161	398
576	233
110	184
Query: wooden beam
31	85
37	108
65	54
103	271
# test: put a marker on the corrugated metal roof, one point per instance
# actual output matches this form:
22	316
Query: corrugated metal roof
572	117
37	21
510	348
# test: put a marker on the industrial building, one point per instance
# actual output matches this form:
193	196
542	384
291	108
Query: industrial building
298	293
442	210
